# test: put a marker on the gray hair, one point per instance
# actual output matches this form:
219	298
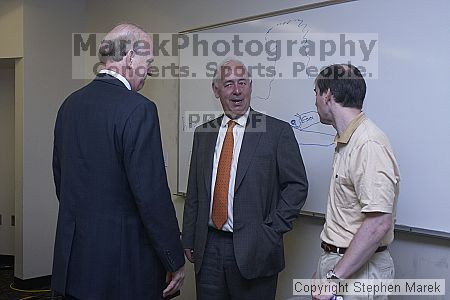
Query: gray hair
217	75
121	39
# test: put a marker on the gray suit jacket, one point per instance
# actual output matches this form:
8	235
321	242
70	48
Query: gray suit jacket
270	189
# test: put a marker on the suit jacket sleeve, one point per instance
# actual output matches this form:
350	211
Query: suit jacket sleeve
56	159
292	180
191	204
145	170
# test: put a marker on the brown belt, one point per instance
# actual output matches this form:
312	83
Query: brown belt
331	248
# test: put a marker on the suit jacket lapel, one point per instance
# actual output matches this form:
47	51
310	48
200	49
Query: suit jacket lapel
212	130
253	130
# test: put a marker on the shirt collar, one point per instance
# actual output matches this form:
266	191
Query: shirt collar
354	124
241	121
118	76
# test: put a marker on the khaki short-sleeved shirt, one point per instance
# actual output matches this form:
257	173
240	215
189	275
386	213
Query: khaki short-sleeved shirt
365	179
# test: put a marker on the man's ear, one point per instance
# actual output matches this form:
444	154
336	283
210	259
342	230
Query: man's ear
129	58
215	90
327	96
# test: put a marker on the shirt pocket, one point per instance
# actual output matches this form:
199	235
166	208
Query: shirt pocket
344	190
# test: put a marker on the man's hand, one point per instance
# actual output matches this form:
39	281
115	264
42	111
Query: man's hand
175	281
322	297
189	254
324	288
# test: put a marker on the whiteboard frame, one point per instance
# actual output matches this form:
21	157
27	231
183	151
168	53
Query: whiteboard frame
267	15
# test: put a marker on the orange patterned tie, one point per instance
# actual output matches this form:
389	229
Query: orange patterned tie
220	203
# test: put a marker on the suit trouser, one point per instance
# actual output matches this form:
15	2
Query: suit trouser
220	279
379	266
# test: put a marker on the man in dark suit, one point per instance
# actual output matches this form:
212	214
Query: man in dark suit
247	184
117	233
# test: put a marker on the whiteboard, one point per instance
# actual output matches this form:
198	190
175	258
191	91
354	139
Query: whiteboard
408	95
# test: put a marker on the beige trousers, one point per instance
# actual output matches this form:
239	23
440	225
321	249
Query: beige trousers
380	266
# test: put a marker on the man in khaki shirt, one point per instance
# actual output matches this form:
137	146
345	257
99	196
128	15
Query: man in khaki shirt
364	185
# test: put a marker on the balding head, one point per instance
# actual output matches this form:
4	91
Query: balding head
121	39
127	49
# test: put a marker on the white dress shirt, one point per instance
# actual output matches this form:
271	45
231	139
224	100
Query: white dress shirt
238	135
118	76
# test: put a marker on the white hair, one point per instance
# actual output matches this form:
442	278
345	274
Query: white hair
225	62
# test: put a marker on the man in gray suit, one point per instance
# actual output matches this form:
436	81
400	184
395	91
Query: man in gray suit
247	184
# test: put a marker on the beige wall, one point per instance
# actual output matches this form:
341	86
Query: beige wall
6	155
11	28
48	27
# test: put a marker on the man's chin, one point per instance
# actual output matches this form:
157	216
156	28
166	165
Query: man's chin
235	115
325	122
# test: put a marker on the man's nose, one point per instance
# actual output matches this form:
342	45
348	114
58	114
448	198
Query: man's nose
237	90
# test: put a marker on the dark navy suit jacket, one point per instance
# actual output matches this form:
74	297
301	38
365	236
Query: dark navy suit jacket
117	231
